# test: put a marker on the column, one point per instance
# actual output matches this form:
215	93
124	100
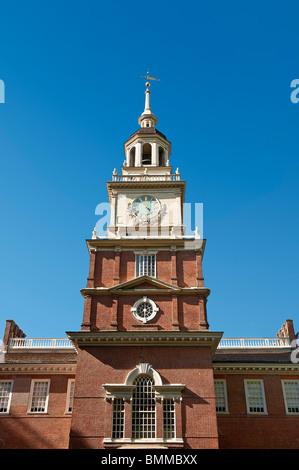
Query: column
165	158
128	157
113	208
155	154
138	153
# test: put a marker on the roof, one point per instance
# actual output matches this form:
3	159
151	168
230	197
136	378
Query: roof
281	357
148	130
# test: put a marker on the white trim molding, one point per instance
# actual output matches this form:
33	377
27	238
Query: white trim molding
223	397
250	404
3	397
126	390
46	397
289	400
151	303
143	368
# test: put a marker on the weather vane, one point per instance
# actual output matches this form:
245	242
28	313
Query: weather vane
149	78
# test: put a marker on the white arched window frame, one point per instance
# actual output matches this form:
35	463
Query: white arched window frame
155	390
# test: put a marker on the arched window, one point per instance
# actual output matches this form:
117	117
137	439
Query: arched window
132	157
161	157
147	154
143	409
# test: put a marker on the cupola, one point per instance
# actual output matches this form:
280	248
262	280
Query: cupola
147	146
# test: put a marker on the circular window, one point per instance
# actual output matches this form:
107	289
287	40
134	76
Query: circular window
144	309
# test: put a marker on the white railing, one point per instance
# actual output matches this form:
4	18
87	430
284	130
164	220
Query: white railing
254	343
128	178
225	343
40	343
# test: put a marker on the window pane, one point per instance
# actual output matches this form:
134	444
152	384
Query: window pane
5	389
143	409
146	265
220	396
255	397
71	397
291	389
168	418
118	419
39	397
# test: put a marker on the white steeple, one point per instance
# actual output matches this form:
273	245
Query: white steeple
147	118
147	147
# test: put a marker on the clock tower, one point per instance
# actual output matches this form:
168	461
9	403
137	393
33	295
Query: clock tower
144	373
146	198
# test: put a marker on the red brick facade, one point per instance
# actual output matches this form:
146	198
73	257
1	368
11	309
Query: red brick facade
274	430
21	430
112	365
148	371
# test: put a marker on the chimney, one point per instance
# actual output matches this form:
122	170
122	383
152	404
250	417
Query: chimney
287	330
12	331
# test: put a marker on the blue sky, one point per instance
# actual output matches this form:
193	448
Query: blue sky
73	94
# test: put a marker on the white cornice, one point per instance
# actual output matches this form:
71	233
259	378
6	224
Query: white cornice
147	338
131	244
139	291
255	368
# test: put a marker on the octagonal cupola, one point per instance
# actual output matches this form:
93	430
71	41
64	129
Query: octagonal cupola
147	147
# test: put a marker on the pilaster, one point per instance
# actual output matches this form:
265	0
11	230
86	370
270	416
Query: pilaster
116	277
114	319
173	254
92	263
199	275
86	312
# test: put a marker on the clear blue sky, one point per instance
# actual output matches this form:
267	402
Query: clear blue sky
73	96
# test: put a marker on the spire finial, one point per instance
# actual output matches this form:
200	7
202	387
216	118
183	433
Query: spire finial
147	113
147	76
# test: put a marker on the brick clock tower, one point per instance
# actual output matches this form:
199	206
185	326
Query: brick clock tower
144	373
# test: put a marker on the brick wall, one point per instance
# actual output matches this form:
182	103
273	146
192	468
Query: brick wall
20	430
106	269
190	366
191	309
240	430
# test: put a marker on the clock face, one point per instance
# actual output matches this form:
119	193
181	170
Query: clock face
145	207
